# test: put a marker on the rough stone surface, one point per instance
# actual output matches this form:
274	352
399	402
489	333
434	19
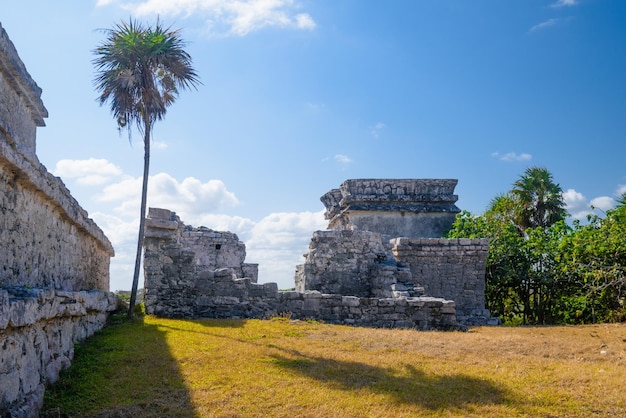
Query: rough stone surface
21	108
360	263
348	262
38	330
46	238
356	257
448	268
180	282
393	207
182	263
54	271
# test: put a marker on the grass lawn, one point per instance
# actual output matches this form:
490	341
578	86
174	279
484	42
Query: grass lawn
154	367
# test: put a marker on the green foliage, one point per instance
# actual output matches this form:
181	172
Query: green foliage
539	200
595	260
547	272
140	70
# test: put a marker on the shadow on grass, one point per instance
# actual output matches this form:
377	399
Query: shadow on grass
406	384
124	370
219	323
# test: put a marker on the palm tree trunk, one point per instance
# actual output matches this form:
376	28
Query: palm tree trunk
142	216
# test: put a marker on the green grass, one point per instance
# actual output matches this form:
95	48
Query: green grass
153	367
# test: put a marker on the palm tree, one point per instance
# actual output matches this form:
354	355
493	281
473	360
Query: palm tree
539	200
139	70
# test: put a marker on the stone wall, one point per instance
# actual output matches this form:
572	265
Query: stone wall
364	264
448	268
46	238
178	285
350	262
54	271
38	330
180	261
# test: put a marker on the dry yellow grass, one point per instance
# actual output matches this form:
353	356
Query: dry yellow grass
283	368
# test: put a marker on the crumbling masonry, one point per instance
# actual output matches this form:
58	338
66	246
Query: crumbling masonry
54	271
382	263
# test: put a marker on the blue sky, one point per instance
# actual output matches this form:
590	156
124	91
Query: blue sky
300	95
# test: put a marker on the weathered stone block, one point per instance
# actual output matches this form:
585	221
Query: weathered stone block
350	301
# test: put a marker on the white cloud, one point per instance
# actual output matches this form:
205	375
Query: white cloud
603	203
621	189
564	3
512	156
278	243
549	23
120	232
123	236
576	204
87	172
285	228
234	17
342	159
305	21
221	222
579	207
189	197
544	24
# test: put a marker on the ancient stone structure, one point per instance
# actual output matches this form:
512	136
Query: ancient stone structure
182	282
398	250
54	272
393	207
354	273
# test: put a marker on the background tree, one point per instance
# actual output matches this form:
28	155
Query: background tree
594	259
139	71
538	199
542	271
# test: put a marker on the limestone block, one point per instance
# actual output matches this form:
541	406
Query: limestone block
9	387
290	295
386	302
161	223
4	309
350	301
29	365
24	312
311	304
270	289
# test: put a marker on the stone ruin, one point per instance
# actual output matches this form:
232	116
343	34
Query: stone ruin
54	276
382	263
422	208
